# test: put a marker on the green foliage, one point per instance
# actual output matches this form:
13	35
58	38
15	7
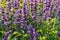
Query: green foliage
48	30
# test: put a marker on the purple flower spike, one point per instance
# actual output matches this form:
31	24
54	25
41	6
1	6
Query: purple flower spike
33	33
58	11
15	4
25	8
47	11
7	34
6	23
24	15
33	8
2	11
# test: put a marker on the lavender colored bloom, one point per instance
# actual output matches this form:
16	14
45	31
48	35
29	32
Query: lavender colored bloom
35	5
58	2
15	4
38	18
9	6
18	19
7	13
47	12
6	23
58	12
17	11
33	8
25	8
33	33
24	22
7	34
5	17
17	16
2	11
24	15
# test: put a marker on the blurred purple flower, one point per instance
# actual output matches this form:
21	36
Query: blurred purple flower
15	4
24	15
33	33
47	13
33	8
7	34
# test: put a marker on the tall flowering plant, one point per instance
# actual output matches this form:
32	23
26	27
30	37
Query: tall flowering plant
29	19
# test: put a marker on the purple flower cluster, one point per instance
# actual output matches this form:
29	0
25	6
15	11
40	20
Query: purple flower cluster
47	4
33	33
33	8
7	34
13	14
58	8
